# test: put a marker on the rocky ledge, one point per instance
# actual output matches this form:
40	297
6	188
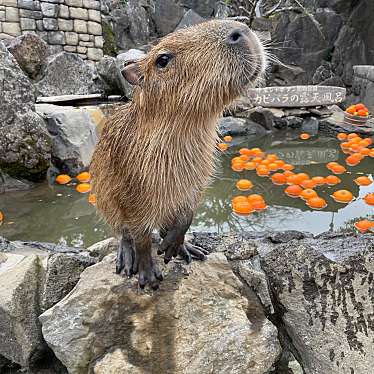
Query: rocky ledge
280	302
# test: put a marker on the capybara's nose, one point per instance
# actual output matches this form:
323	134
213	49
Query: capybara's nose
236	36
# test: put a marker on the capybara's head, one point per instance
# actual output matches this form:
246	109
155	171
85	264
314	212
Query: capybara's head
198	69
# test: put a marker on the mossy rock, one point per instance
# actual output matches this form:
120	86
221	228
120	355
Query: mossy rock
36	174
110	40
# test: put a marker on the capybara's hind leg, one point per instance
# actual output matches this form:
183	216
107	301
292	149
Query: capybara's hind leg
149	272
125	255
173	243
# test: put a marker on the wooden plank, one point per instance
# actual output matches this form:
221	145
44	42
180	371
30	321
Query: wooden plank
296	96
64	98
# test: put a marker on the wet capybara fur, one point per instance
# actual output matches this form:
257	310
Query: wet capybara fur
156	154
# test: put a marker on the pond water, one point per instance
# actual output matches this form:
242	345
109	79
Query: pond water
52	213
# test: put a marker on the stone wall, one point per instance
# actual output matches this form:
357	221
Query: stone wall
70	25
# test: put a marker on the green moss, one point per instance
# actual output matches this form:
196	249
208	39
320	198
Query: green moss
35	174
110	40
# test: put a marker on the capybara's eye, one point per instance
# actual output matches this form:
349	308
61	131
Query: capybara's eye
163	60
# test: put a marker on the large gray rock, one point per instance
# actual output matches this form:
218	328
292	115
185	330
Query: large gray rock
30	52
67	74
131	24
323	292
31	280
206	8
239	126
199	321
74	136
24	141
189	19
19	326
166	15
8	183
107	70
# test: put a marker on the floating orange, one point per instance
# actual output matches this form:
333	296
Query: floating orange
287	173
369	141
352	135
273	166
83	187
301	177
92	198
265	162
244	185
238	199
222	146
280	163
293	190
292	179
63	179
319	180
338	169
342	196
352	160
369	199
254	197
365	151
371	153
364	225
308	183
332	180
342	136
262	171
244	157
227	138
259	205
250	165
330	165
278	178
288	167
316	203
1	216
257	160
237	166
236	159
308	193
84	177
245	151
243	207
363	181
345	145
272	157
304	136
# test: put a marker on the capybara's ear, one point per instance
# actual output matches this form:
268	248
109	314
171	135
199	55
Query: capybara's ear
132	72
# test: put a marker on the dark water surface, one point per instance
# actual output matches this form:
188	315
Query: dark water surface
60	214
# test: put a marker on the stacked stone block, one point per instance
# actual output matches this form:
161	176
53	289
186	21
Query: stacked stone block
70	25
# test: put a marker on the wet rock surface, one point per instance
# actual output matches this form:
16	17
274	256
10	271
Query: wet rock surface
74	136
24	141
198	319
230	314
30	52
32	279
67	74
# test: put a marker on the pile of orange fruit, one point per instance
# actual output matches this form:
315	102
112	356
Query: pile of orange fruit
83	185
358	110
300	185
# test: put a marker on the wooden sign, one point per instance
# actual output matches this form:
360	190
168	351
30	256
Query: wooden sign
296	96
